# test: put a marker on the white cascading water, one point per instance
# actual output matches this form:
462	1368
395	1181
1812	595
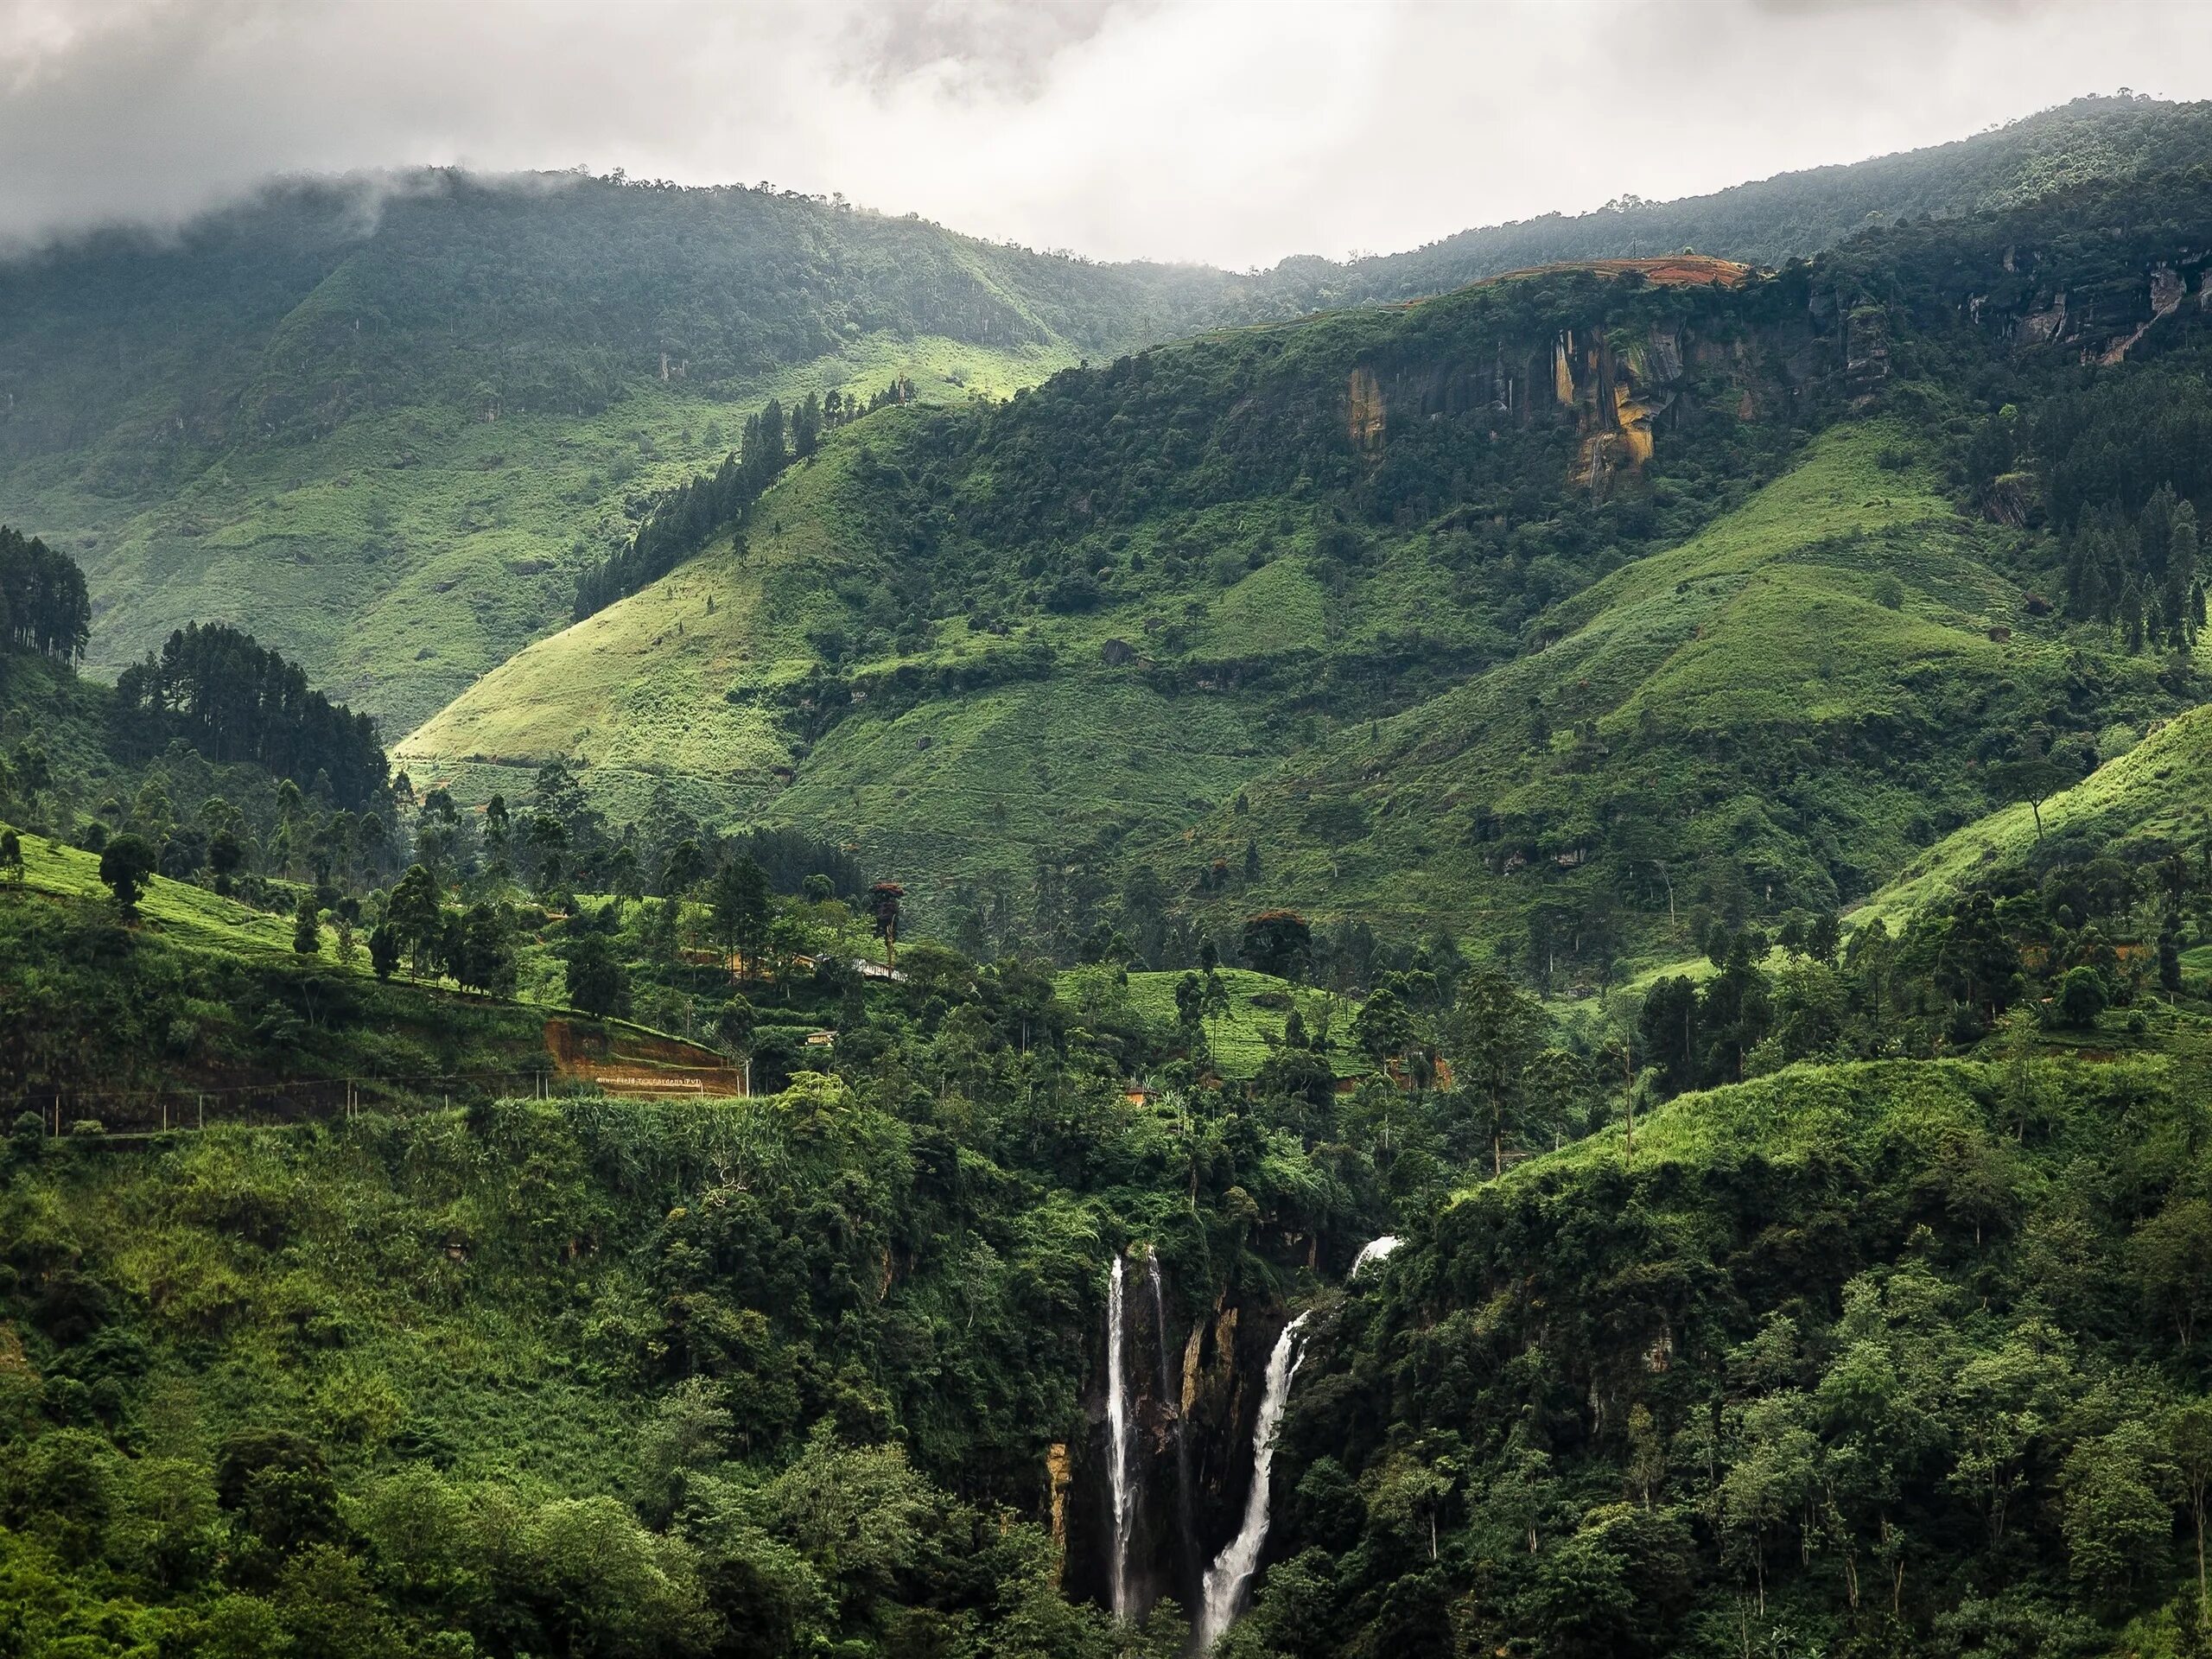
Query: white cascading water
1230	1575
1374	1249
1119	1430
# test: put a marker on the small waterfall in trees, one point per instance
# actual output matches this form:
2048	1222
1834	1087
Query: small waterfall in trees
1120	1434
1171	1398
1231	1573
1376	1249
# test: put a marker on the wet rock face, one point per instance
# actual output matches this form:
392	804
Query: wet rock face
1193	1420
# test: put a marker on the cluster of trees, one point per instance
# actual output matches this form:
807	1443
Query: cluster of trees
2080	930
43	605
2120	467
475	945
233	700
1754	1390
279	834
685	520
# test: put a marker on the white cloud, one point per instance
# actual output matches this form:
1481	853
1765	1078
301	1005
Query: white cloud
1229	130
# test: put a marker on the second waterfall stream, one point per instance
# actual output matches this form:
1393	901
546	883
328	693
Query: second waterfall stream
1230	1575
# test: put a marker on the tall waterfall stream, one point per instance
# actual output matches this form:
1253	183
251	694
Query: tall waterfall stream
1121	1432
1231	1573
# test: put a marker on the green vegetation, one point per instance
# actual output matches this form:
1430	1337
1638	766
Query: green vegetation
1668	798
1376	616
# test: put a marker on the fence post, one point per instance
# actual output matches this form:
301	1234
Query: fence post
203	1111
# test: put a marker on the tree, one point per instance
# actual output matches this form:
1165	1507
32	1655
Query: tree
486	960
740	904
1190	1009
307	928
1279	942
33	772
2116	1523
884	899
1666	1025
11	858
595	981
2188	1436
2033	778
1493	1031
734	1025
2082	997
1382	1028
225	853
2172	1256
413	915
681	869
622	874
127	865
1822	939
384	951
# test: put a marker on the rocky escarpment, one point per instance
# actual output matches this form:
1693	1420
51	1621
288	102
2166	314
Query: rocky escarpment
1641	347
1195	1377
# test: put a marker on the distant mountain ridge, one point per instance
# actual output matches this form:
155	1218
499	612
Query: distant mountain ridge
385	428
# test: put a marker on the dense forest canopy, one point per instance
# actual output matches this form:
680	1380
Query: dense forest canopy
43	606
233	700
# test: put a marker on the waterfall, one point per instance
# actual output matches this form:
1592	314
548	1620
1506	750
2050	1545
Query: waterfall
1374	1249
1171	1398
1231	1573
1119	1432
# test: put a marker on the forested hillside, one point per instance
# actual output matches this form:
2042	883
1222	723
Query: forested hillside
1547	612
383	423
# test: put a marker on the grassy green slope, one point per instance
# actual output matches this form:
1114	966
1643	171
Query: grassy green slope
947	783
1725	682
2159	791
1240	1040
177	911
411	551
970	718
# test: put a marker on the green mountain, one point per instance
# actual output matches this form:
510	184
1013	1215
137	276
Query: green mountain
384	422
1547	612
391	416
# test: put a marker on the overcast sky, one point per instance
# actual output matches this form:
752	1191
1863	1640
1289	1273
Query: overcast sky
1225	131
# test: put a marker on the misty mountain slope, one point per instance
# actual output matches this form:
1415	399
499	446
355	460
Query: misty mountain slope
385	430
385	425
1796	215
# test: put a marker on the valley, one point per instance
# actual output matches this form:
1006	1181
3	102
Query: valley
733	927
